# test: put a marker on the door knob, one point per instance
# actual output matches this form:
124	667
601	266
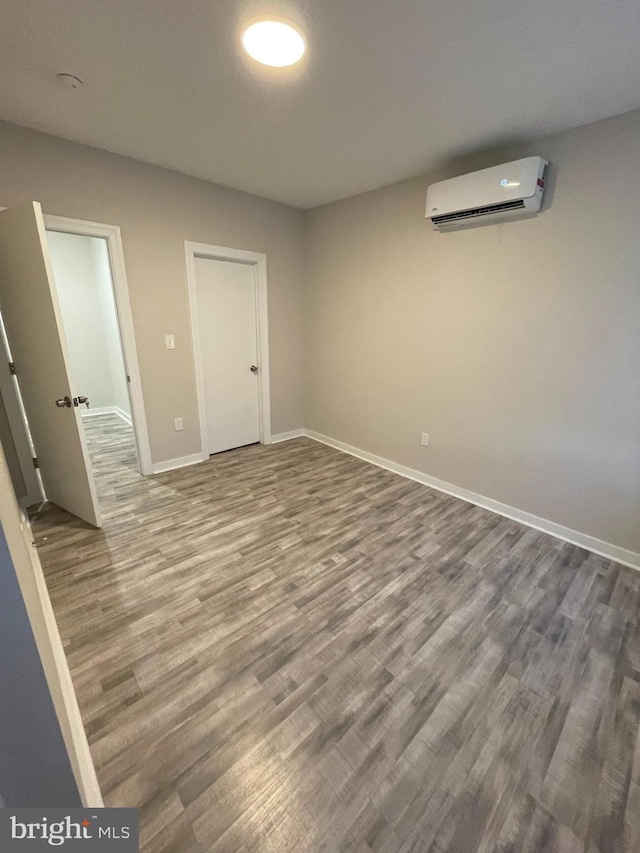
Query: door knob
84	400
254	368
63	402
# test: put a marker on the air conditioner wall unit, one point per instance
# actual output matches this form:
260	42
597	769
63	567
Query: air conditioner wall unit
511	191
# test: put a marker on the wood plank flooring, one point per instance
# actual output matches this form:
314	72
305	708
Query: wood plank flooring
287	649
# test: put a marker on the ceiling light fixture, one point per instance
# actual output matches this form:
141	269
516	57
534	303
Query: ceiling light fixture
274	43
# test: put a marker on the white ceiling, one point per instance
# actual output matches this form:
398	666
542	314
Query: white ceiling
390	88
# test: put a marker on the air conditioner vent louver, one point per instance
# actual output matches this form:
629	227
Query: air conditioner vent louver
478	211
508	191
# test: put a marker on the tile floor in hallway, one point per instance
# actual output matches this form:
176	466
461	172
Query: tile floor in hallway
288	649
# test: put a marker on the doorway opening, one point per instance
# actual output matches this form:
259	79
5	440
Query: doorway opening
82	274
90	279
67	334
229	328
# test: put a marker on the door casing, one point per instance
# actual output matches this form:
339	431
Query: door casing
258	261
111	233
17	419
30	301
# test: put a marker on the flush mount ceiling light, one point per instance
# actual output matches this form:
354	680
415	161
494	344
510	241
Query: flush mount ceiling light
274	43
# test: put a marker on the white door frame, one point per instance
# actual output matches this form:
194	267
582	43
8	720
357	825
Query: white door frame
47	636
111	233
258	261
17	418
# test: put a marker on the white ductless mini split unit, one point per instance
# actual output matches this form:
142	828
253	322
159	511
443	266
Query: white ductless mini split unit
510	191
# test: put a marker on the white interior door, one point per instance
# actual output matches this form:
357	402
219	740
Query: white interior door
227	331
34	329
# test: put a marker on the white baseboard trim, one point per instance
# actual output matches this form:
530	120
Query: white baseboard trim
107	410
180	462
98	410
122	414
287	436
195	458
574	537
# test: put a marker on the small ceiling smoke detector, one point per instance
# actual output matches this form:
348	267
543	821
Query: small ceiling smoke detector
273	42
69	81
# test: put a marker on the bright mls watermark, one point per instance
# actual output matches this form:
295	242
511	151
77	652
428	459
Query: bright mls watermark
26	830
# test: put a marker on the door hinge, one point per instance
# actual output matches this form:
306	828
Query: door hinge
12	368
36	464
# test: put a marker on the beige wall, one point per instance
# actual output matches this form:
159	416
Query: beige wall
157	211
516	346
83	281
77	285
110	327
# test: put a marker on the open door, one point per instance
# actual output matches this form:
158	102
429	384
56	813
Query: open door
33	324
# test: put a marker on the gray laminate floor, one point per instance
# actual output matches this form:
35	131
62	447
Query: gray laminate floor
287	649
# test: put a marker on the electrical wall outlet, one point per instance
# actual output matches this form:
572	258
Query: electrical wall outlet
170	341
178	424
424	439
